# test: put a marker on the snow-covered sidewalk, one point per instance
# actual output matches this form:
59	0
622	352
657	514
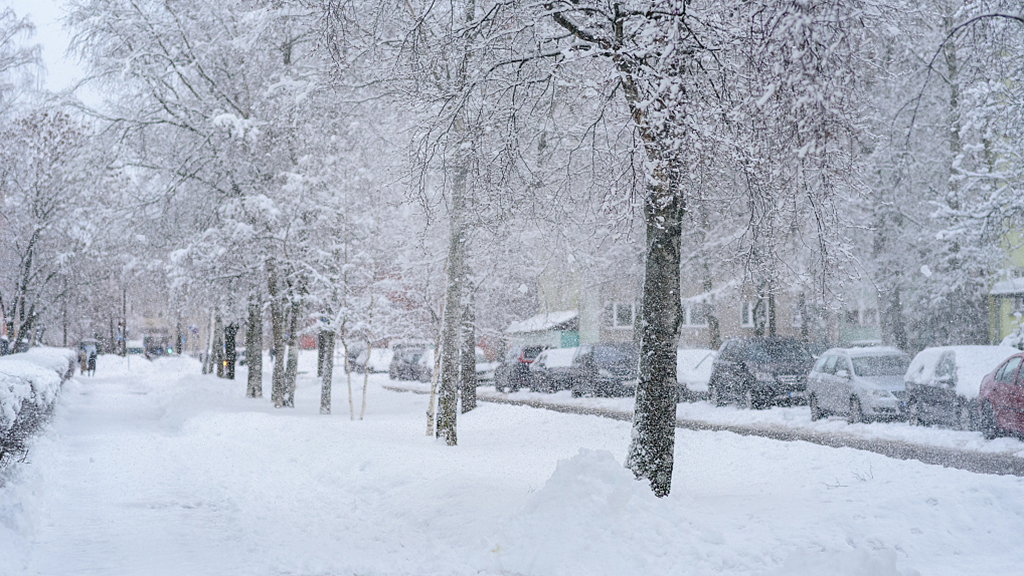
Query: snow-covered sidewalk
164	471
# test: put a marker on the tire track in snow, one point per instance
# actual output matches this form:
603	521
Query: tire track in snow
971	461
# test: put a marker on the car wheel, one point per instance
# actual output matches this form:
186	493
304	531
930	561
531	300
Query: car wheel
987	421
914	413
816	412
715	395
750	400
856	414
964	419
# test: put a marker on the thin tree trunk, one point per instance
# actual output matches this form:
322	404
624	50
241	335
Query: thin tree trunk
291	372
467	364
230	332
434	376
320	349
218	343
326	369
254	348
277	384
653	440
348	375
366	380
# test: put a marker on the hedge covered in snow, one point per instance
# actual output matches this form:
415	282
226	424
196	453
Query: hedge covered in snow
29	384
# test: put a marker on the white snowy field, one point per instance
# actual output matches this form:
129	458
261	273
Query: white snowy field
160	470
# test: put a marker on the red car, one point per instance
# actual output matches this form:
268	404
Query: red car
1001	402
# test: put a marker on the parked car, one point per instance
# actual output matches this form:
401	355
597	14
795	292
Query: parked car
943	383
376	360
1000	406
760	371
860	383
484	368
605	370
514	371
405	363
550	371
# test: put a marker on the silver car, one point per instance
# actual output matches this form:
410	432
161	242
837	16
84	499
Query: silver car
860	383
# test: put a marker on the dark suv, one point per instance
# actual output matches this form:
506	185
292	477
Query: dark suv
605	370
514	371
757	372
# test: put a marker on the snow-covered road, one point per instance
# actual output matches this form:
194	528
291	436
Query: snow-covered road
163	471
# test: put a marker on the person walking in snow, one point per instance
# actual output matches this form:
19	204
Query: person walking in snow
83	360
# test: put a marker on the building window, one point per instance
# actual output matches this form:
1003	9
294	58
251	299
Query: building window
619	315
754	312
747	315
1018	303
695	314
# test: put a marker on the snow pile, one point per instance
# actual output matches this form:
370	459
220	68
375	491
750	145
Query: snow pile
29	384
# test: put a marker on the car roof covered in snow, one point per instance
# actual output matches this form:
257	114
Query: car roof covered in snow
972	364
559	357
861	351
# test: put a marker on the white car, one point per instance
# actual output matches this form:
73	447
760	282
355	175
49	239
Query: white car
859	383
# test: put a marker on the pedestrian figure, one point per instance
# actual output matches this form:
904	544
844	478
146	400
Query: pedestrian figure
83	360
92	362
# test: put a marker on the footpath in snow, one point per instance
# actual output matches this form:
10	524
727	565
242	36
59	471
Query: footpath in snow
160	470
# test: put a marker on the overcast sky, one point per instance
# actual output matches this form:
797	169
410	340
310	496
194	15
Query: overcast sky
46	14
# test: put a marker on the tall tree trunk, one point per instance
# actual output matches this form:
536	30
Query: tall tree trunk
467	360
254	347
277	381
326	358
653	439
291	371
448	395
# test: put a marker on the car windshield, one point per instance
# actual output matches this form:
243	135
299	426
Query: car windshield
890	365
615	356
779	351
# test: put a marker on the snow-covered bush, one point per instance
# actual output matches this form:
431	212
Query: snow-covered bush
1015	338
29	384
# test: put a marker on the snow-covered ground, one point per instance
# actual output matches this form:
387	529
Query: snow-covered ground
160	470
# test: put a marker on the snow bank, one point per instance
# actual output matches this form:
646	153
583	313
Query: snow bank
29	384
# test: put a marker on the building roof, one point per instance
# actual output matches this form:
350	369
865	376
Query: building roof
1012	286
542	322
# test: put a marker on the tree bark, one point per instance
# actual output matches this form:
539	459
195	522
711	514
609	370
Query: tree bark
229	350
448	395
218	343
277	384
291	371
653	440
326	357
254	348
467	360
